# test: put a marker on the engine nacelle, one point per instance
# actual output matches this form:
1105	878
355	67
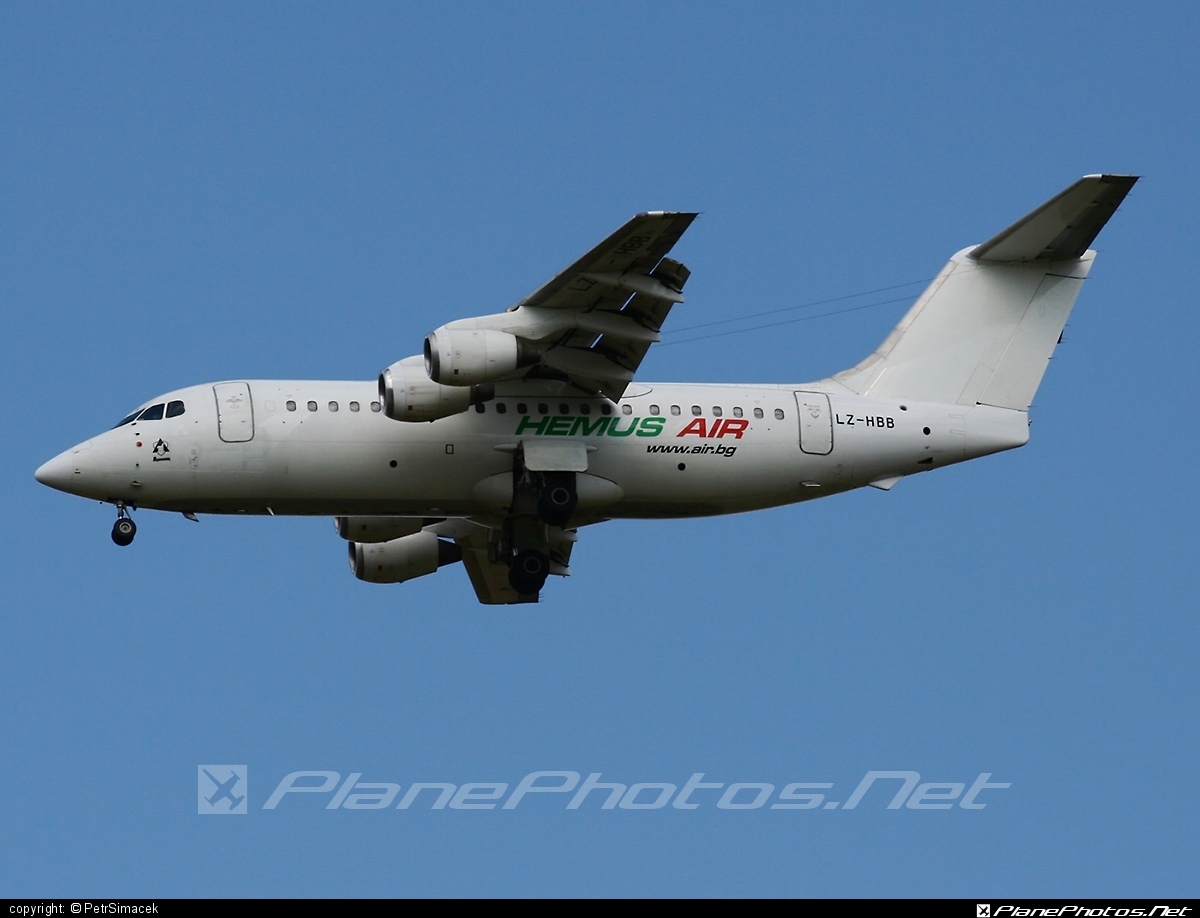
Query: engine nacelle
468	356
408	394
376	528
401	559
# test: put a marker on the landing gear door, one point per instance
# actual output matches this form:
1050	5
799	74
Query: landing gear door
816	423
235	413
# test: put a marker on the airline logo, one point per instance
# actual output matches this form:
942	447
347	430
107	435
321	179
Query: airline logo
567	425
716	429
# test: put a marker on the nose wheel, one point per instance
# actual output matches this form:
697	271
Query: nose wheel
124	529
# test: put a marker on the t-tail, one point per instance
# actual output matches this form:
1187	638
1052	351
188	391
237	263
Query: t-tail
984	330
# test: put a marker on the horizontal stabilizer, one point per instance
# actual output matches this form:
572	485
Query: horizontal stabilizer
1064	226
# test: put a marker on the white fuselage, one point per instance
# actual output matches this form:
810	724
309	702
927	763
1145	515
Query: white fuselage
665	450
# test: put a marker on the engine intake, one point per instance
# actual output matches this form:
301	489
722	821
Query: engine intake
408	394
467	356
401	559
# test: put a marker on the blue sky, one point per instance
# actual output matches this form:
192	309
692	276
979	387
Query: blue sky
204	192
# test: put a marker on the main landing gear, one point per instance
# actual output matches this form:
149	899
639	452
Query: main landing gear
528	571
543	502
124	529
557	497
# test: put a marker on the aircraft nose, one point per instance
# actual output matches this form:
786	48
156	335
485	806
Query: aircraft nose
58	472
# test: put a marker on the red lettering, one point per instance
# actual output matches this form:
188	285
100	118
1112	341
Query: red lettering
714	428
734	426
696	427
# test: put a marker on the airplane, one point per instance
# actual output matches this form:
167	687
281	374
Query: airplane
513	432
225	790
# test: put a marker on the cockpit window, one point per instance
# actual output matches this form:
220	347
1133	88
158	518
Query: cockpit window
153	413
174	409
125	420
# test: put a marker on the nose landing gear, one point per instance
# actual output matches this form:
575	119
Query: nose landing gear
124	529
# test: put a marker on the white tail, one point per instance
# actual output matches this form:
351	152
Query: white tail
984	330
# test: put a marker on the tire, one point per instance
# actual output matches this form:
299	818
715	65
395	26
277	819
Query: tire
528	572
123	531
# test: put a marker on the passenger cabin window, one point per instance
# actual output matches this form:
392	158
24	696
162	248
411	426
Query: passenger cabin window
585	408
737	411
153	413
564	408
174	409
758	412
627	409
312	406
376	407
696	410
779	414
291	405
522	408
501	408
333	406
654	410
716	411
675	410
354	406
543	408
606	409
480	407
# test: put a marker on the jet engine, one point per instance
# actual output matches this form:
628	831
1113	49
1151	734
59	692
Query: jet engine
376	528
401	559
408	394
468	356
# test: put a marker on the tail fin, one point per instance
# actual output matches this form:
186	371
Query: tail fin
984	330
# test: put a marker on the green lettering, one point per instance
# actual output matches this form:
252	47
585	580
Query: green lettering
581	426
538	428
559	426
616	422
651	427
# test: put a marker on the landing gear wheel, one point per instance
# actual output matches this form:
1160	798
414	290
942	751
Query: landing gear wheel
528	572
123	531
557	500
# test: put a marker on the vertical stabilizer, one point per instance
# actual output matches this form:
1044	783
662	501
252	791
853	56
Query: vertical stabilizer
984	330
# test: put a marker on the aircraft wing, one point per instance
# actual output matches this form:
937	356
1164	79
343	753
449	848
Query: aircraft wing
592	323
634	249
